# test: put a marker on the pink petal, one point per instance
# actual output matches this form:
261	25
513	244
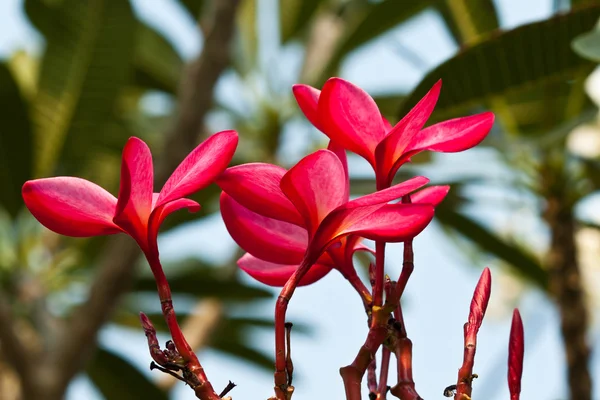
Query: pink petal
346	218
399	137
392	222
256	186
201	167
161	212
316	186
135	193
453	135
516	351
277	274
351	117
389	194
340	152
307	98
71	206
266	238
431	195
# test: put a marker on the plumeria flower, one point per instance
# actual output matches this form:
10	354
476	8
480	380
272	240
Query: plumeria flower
265	223
349	116
76	207
292	217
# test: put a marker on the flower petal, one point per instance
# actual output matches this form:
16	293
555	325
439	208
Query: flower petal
389	194
266	238
400	136
340	221
340	152
278	274
307	98
392	222
351	117
71	206
316	186
135	192
256	186
431	195
201	167
161	212
453	135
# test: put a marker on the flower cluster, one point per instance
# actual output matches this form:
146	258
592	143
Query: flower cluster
295	225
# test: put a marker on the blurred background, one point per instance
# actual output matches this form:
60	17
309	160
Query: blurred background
78	77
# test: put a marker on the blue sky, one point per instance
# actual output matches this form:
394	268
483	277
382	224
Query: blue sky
438	295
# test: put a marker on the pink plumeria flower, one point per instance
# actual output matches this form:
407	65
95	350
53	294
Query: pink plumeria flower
349	116
283	217
76	207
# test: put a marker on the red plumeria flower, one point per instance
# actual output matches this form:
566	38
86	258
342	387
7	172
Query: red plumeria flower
349	116
516	351
76	207
283	217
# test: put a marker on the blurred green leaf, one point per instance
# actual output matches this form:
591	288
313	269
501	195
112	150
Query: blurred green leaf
245	56
193	7
587	45
196	278
523	263
294	16
16	144
376	19
389	105
469	20
246	353
117	379
87	62
157	65
532	60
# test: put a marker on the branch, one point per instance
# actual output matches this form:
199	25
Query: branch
116	270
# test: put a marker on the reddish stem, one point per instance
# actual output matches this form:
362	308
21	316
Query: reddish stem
383	373
379	273
283	390
204	389
479	304
372	378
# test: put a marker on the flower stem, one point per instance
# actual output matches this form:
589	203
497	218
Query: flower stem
203	387
283	390
379	273
383	373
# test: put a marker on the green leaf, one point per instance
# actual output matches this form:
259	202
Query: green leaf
528	76
245	56
246	353
469	20
16	145
157	65
87	62
193	7
117	379
193	277
389	105
523	263
375	20
294	16
587	45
